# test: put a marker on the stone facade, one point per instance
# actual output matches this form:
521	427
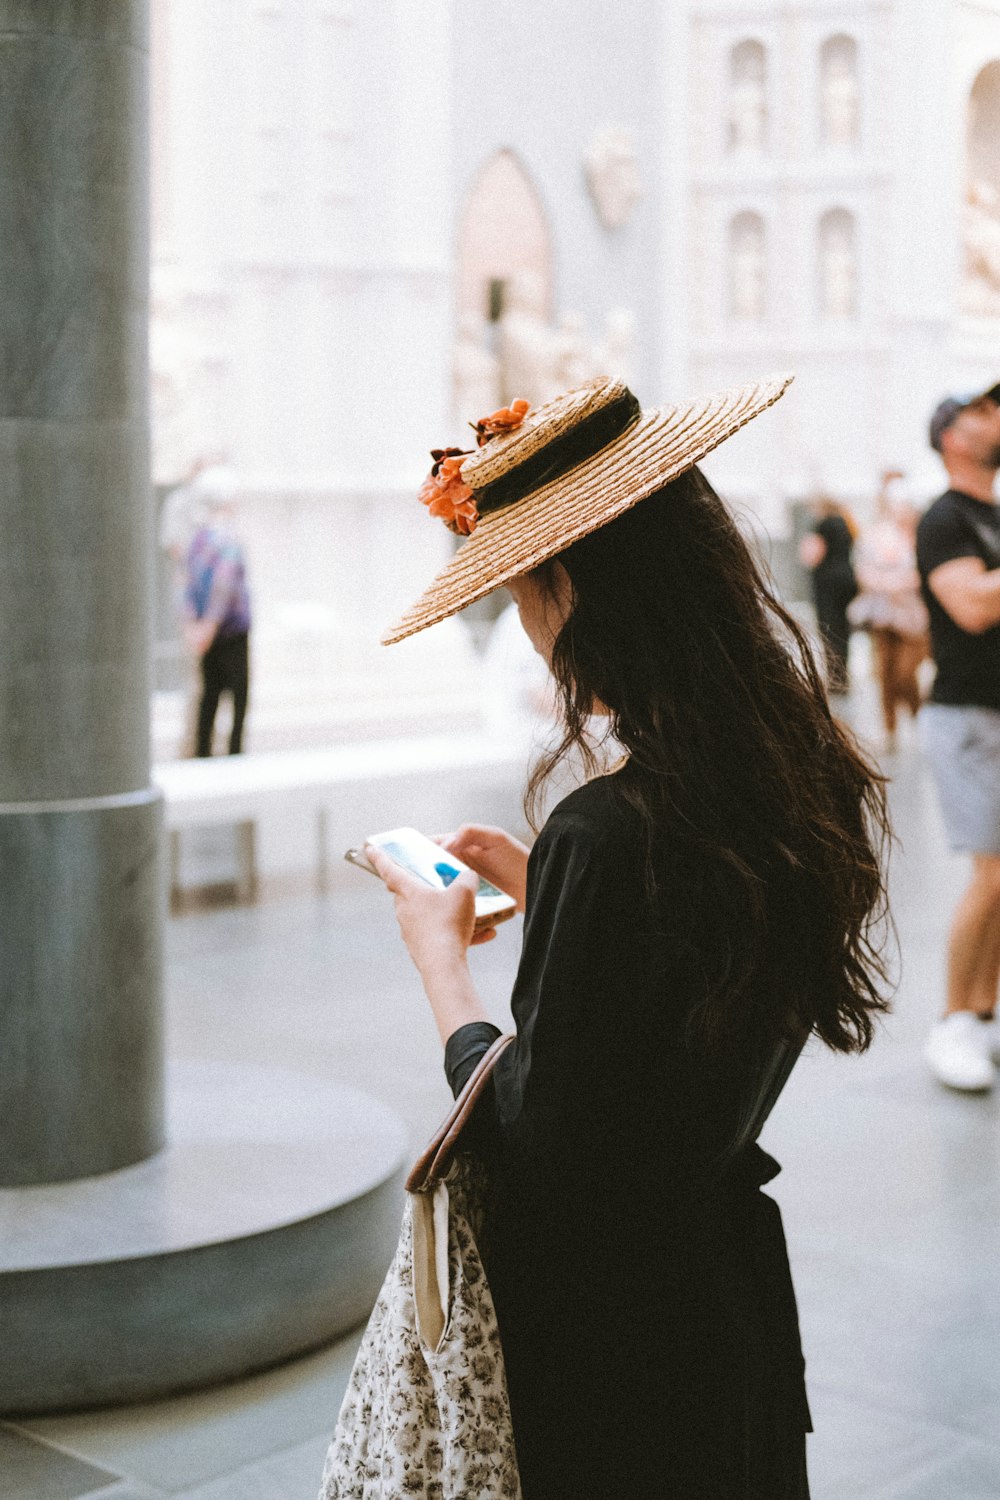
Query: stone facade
306	222
393	214
821	183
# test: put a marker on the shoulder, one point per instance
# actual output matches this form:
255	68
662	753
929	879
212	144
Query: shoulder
833	527
596	810
585	865
941	509
944	533
593	825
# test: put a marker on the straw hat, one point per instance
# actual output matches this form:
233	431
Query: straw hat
543	478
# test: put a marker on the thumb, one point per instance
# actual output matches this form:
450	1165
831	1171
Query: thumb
469	879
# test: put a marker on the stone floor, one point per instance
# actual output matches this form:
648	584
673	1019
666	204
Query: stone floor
891	1197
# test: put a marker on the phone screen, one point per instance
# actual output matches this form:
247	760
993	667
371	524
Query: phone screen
428	862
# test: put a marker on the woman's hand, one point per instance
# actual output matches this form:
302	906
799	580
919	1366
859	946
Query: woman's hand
438	928
492	853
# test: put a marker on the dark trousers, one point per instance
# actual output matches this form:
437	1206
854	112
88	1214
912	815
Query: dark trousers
225	668
835	633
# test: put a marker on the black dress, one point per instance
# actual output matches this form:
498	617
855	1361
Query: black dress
834	586
640	1276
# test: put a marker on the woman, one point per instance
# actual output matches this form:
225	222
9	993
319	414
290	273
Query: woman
827	551
889	605
690	916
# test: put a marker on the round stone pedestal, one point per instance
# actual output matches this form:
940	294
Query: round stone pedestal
264	1229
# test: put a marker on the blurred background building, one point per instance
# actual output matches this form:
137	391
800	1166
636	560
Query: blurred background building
372	223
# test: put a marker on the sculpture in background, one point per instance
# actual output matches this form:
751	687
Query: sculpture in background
981	246
838	270
535	360
574	358
840	97
475	371
616	355
748	98
526	343
612	172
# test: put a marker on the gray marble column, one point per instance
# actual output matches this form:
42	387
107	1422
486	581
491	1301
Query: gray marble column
81	908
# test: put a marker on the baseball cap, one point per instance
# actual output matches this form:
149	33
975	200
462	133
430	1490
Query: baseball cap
948	409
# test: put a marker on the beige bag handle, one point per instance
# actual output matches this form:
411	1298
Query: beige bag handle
431	1166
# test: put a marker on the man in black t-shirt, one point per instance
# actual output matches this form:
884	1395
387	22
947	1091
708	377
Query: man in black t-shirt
958	555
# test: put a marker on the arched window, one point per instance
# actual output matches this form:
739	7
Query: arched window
981	211
503	290
837	266
503	234
840	93
748	96
747	267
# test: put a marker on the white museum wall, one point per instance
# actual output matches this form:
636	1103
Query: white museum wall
312	163
305	231
541	81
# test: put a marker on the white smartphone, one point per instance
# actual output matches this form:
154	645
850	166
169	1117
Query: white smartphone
429	862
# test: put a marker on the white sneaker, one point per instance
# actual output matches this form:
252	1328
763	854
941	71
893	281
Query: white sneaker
958	1050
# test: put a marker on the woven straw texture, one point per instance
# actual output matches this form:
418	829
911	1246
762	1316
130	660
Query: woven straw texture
662	444
539	428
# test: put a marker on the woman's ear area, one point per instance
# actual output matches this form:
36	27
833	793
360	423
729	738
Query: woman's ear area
560	586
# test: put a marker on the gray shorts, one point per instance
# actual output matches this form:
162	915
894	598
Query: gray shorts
962	746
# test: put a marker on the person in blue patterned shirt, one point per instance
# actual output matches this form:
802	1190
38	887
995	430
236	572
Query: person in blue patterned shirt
217	606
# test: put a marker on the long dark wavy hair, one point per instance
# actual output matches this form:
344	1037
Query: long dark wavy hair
765	828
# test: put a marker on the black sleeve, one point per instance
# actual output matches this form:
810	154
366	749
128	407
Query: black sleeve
562	905
463	1050
557	1093
942	536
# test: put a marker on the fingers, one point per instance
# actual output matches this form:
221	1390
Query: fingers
396	879
472	836
482	935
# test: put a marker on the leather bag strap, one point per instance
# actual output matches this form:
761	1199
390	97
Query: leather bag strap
431	1166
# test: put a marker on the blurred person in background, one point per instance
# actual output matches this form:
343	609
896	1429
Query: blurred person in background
889	605
827	551
958	555
217	604
692	913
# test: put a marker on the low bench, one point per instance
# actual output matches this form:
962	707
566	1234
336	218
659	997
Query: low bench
241	789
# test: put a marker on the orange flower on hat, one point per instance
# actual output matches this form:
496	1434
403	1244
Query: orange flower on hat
446	494
507	419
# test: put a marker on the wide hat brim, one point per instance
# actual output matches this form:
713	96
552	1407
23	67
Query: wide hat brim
662	444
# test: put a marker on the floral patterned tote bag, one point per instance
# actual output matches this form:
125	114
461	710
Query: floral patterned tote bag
426	1412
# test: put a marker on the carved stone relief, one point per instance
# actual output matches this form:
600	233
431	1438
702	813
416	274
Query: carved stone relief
981	209
840	93
475	371
981	245
534	359
611	168
748	97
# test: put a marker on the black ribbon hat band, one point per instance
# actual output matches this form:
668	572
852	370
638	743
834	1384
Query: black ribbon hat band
565	452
